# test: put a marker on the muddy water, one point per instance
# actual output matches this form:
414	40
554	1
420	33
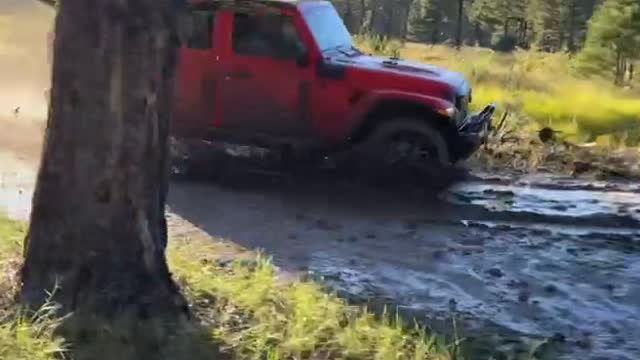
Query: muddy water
17	181
550	257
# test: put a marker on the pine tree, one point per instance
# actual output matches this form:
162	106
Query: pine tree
547	25
504	19
613	40
426	20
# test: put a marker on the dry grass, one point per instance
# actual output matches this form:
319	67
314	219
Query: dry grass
511	150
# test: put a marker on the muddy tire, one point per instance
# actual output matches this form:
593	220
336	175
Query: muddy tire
192	161
409	151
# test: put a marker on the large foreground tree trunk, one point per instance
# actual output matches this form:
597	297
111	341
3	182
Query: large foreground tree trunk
98	229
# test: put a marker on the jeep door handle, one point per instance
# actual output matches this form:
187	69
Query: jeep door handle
238	74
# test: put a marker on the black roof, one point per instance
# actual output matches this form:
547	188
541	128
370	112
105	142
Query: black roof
246	4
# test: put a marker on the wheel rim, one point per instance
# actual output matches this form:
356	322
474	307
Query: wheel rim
409	151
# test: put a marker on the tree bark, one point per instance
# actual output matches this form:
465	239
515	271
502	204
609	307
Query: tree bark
98	229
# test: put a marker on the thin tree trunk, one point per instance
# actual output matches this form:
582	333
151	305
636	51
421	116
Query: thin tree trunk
97	228
459	24
522	35
363	19
435	32
478	33
405	27
619	74
348	15
372	20
389	21
571	40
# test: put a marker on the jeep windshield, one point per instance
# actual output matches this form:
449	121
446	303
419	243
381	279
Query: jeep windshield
327	27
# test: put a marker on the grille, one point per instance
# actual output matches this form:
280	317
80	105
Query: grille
462	104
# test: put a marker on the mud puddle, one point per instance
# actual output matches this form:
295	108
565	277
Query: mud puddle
17	181
552	263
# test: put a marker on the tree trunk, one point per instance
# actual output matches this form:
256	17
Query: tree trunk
459	23
348	16
478	33
619	72
405	27
388	28
363	19
97	228
573	14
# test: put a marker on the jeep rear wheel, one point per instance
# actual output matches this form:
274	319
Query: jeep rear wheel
192	160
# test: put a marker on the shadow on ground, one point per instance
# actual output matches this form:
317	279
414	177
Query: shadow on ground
292	218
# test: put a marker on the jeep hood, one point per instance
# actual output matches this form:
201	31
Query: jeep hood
410	68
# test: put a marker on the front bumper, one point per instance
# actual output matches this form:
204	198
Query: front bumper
473	132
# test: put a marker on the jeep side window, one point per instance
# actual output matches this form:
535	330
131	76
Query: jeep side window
198	29
265	35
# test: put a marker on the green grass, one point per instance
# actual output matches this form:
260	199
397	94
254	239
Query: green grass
537	87
242	307
30	336
258	316
23	336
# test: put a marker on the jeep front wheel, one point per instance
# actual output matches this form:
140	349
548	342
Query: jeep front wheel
407	148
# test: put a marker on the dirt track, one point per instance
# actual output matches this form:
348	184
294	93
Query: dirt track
524	257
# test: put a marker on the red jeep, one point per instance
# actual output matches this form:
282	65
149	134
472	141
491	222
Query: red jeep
285	75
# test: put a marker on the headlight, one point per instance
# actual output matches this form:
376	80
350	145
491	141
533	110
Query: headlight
448	112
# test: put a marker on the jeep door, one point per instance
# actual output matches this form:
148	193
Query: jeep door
195	73
265	91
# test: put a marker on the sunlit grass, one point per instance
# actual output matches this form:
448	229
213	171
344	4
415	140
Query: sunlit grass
11	236
23	335
295	320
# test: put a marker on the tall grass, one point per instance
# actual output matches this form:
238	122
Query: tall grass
24	335
536	86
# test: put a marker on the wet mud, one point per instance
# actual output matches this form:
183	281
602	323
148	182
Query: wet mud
531	258
543	262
